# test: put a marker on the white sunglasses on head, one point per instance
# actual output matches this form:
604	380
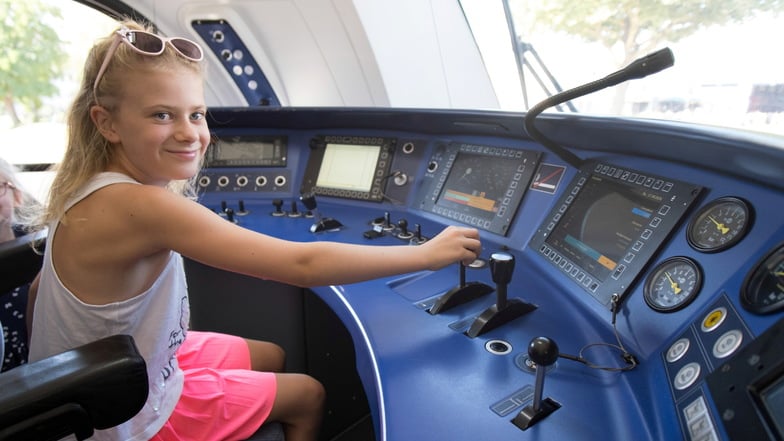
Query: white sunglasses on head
147	43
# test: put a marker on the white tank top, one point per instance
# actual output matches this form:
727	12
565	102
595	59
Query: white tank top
157	319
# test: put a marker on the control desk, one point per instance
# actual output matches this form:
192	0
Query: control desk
654	270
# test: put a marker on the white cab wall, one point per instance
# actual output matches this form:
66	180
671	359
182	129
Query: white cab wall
358	53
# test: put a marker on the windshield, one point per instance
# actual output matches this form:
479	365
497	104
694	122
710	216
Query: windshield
726	71
517	53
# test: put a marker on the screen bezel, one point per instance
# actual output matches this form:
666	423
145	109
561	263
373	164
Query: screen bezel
677	197
324	146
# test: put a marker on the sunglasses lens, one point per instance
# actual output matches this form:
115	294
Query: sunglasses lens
145	42
187	48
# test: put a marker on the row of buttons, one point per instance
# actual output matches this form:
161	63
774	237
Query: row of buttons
698	421
635	178
570	269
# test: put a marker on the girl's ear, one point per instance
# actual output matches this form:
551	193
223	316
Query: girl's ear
102	119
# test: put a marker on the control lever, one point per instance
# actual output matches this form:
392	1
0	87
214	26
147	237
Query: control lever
278	204
504	309
462	293
543	352
322	223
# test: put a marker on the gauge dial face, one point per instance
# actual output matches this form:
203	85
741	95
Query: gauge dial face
719	225
763	289
673	284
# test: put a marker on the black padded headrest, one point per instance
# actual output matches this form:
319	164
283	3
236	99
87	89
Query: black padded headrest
107	378
19	262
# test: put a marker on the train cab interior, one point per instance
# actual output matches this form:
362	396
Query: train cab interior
628	196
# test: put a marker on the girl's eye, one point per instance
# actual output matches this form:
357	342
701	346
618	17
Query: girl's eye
196	116
163	116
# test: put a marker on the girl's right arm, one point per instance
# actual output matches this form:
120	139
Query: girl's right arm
196	232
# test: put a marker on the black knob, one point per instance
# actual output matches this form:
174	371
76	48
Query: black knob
418	232
308	200
278	204
294	207
543	351
502	267
241	205
224	205
403	225
229	214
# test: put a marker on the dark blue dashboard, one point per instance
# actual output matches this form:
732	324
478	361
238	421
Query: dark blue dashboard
423	377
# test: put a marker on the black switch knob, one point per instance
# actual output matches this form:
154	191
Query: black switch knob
543	351
308	200
502	267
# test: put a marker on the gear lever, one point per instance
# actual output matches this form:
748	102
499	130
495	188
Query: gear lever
322	223
505	309
543	352
462	293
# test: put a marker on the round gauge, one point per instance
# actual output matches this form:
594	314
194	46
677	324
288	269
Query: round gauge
763	289
673	284
719	225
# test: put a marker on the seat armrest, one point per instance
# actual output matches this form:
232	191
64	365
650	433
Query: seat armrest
107	379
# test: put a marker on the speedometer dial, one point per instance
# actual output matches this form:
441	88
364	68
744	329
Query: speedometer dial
673	284
719	225
763	289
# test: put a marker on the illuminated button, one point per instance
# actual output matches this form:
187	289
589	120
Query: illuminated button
687	376
727	343
677	350
714	319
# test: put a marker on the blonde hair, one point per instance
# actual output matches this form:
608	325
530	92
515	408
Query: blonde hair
88	152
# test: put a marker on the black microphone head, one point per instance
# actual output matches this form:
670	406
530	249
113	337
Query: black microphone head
651	63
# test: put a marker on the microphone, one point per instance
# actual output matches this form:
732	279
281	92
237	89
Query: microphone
639	68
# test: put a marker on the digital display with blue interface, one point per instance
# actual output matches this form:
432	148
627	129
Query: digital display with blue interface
602	223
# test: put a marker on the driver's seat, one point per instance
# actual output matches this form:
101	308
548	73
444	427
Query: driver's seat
95	386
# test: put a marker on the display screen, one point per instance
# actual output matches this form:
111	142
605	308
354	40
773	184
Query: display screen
773	400
245	150
602	223
348	167
477	184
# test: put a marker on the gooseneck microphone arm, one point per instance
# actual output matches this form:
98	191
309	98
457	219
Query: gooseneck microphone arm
639	68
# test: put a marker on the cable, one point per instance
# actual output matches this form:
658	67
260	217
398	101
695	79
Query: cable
628	357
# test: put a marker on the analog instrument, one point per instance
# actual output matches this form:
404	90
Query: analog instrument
763	289
719	225
673	284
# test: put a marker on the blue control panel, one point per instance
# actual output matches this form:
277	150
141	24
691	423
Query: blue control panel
636	264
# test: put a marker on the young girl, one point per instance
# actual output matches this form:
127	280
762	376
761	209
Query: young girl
118	224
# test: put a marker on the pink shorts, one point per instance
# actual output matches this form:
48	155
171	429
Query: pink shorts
222	399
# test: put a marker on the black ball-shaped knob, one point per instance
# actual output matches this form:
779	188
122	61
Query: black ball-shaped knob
543	351
403	225
502	267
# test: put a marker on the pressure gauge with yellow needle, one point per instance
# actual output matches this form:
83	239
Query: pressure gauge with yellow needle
673	284
719	225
